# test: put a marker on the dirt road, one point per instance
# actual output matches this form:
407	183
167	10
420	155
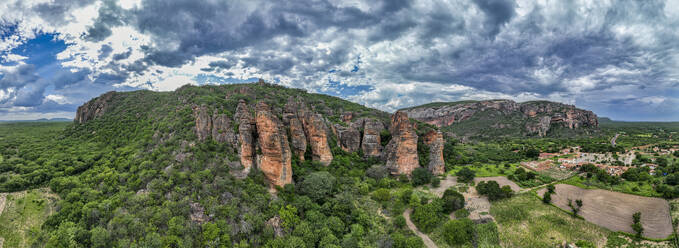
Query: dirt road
412	227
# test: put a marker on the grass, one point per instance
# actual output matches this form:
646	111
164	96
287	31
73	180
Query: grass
485	236
488	170
634	188
524	221
23	215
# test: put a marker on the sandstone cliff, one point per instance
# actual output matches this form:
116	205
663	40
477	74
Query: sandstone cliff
532	118
275	158
246	136
401	152
371	143
94	108
434	139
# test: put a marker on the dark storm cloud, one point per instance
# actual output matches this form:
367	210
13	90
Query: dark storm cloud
447	50
498	13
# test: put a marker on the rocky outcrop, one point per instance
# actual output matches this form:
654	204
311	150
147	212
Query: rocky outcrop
315	131
371	143
218	126
567	115
222	129
94	108
348	138
246	135
434	139
540	126
203	122
537	117
297	136
275	158
401	152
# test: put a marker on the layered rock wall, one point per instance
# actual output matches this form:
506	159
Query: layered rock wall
434	139
94	108
275	158
401	152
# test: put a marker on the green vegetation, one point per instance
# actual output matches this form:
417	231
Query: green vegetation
493	190
23	214
525	222
138	177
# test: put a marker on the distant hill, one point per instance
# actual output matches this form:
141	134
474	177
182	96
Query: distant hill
40	120
506	118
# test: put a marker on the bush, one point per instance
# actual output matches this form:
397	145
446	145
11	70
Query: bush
452	200
421	176
318	185
399	221
377	172
461	213
547	198
493	191
550	188
381	195
636	224
465	175
435	182
427	216
458	232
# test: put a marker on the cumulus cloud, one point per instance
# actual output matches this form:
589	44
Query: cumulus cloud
601	55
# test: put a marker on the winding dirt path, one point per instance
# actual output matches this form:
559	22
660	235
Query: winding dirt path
412	227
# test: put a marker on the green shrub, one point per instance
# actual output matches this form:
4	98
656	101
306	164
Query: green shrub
421	176
381	195
458	232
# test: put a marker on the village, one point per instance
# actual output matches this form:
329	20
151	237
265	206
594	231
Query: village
615	164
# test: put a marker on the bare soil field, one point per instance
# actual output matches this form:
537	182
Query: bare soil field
502	181
614	210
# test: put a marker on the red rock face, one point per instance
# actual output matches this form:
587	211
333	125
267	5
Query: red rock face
317	136
297	136
246	131
401	152
94	108
275	159
434	139
371	143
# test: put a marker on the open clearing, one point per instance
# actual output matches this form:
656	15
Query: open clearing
23	213
614	210
524	221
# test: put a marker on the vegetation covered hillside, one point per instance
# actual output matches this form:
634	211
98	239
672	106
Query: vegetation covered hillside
132	172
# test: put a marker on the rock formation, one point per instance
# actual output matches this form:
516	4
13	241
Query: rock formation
537	117
401	152
348	138
222	129
315	131
203	122
371	143
275	158
297	136
434	139
317	136
94	108
246	135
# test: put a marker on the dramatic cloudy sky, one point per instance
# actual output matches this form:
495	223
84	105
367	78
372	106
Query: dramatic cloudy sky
617	58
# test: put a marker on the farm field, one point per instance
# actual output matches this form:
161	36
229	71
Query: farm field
22	214
524	221
614	210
